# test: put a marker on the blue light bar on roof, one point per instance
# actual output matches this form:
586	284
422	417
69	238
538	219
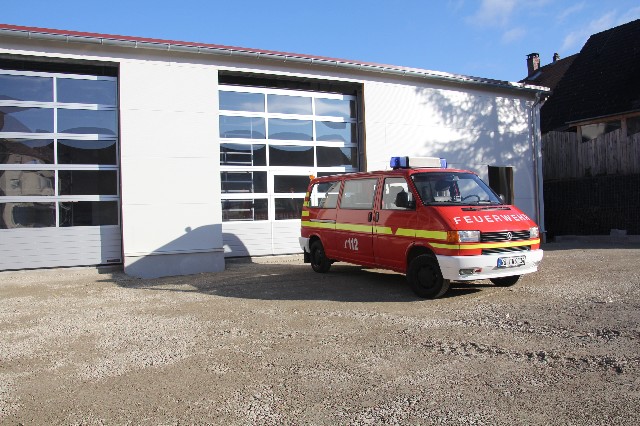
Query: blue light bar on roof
417	162
399	163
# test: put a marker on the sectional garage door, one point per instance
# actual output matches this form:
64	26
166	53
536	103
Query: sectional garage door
271	141
59	174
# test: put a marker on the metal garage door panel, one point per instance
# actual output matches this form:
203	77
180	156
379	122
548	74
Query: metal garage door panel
53	247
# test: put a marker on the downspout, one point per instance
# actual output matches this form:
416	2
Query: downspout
537	164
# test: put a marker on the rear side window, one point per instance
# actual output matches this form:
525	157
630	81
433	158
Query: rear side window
324	195
358	194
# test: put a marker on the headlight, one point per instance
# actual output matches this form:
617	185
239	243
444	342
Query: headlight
469	236
534	232
463	236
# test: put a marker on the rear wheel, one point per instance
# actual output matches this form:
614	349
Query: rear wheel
319	261
425	278
505	281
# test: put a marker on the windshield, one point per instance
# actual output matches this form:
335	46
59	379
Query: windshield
453	188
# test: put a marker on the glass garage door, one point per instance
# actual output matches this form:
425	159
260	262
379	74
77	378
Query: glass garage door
59	183
271	142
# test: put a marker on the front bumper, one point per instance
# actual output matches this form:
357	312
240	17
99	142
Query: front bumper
304	245
450	266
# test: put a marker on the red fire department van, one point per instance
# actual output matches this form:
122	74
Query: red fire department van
432	223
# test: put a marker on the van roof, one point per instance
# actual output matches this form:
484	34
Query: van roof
396	172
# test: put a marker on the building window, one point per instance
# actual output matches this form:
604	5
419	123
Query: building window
273	139
58	150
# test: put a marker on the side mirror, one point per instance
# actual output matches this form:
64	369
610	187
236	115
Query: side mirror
404	200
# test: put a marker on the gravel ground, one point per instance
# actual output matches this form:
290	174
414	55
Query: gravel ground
272	342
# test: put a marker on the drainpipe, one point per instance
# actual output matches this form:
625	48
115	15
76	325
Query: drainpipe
537	164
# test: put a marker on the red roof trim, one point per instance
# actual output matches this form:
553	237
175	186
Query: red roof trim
183	43
366	66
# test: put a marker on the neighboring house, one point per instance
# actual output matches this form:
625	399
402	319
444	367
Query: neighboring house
548	75
169	156
591	135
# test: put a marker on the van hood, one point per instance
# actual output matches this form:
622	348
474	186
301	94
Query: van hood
485	218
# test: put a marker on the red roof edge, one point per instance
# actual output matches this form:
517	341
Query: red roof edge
181	43
321	59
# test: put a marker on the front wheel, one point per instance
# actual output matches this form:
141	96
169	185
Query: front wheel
425	278
319	261
505	281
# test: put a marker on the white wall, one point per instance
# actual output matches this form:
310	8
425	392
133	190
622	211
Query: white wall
169	162
472	129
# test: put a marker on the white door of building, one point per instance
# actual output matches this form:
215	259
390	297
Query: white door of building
271	142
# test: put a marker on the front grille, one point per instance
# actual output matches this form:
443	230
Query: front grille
495	237
500	250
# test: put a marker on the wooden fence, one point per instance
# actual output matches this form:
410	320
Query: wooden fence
566	157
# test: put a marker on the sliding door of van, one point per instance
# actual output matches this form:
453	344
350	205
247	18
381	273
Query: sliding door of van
396	224
354	222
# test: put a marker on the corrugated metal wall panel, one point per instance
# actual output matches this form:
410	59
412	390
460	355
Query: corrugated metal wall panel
51	247
287	233
247	238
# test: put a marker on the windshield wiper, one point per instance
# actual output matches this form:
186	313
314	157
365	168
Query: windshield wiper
492	207
487	202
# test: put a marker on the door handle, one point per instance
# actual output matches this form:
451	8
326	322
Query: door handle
370	217
377	216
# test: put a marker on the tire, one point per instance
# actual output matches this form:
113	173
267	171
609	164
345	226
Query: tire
425	278
319	261
505	281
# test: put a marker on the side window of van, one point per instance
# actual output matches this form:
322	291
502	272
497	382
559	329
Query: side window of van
396	195
358	194
324	195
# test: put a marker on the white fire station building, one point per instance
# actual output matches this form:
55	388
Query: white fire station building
169	156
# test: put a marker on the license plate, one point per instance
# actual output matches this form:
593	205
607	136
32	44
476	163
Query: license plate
510	262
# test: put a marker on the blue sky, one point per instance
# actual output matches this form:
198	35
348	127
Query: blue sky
485	38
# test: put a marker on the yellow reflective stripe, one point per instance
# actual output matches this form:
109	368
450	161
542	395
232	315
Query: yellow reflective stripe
305	213
353	227
406	232
338	226
485	245
434	235
382	230
323	225
420	233
305	204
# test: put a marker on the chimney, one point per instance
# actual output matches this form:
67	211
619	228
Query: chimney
556	57
533	63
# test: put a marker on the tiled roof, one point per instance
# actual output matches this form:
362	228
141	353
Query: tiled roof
603	80
549	75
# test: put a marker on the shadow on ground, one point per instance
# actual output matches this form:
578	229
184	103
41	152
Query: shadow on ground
295	282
